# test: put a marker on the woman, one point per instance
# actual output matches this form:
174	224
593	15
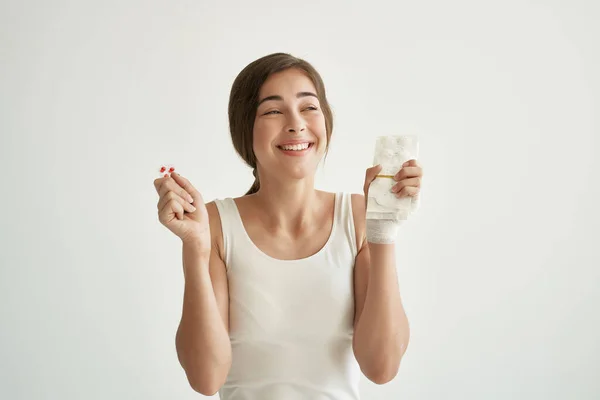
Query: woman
288	293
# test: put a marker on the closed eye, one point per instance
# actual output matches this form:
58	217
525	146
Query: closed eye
311	108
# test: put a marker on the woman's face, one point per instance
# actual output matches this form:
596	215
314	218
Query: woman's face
289	130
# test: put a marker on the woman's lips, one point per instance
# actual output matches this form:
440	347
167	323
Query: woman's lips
296	152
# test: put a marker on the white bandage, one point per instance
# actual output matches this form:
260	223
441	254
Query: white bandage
385	212
383	231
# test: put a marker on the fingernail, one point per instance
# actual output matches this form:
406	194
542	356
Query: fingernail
190	199
193	208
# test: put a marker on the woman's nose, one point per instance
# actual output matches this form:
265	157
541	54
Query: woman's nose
296	125
296	129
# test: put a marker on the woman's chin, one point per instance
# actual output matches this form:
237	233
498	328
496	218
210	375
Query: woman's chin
299	173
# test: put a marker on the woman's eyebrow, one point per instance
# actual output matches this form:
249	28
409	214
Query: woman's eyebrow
279	98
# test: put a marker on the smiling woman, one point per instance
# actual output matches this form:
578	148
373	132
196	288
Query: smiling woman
281	300
258	105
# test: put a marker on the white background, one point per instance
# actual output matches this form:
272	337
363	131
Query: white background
499	269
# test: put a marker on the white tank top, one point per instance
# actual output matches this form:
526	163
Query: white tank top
291	321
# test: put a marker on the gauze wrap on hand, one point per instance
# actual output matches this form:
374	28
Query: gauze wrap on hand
385	212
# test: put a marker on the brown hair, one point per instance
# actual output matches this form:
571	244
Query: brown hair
243	102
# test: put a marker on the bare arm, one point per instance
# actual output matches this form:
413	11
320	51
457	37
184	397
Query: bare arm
381	329
202	339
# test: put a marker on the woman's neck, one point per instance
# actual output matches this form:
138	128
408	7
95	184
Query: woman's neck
288	206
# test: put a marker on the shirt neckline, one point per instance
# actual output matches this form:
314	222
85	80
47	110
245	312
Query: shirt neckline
337	200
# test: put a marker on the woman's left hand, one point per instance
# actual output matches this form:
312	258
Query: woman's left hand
408	179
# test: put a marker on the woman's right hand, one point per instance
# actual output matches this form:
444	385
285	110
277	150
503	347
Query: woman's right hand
176	212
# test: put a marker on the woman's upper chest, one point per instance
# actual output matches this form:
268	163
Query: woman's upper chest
295	241
286	245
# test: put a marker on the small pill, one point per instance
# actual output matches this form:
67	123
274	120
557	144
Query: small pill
166	170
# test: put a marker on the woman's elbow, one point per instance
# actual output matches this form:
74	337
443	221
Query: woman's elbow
205	391
208	381
382	376
385	378
207	386
381	371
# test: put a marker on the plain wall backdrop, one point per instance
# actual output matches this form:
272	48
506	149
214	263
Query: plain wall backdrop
499	270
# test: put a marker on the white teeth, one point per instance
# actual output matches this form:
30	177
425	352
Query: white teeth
295	147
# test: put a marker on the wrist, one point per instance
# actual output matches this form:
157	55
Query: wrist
197	247
382	231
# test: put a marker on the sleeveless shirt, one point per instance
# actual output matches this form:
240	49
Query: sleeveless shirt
291	321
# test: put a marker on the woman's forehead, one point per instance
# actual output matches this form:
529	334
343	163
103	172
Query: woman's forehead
287	82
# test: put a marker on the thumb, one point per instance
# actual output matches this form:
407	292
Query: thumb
370	177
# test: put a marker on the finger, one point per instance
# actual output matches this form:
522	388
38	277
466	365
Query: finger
157	184
415	182
411	163
170	184
189	188
167	197
370	176
160	182
172	196
163	185
176	208
408	172
408	191
171	207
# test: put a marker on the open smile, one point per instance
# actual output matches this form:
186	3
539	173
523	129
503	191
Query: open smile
295	149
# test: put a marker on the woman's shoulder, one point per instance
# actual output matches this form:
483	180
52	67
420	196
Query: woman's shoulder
357	200
359	213
216	229
358	205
